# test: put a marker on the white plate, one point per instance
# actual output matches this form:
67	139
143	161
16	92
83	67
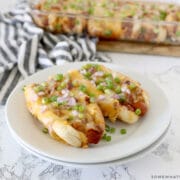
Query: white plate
125	160
139	136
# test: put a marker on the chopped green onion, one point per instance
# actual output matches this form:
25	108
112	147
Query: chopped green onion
91	10
99	81
92	99
103	5
163	15
45	100
122	98
143	30
82	88
63	85
47	5
156	30
87	75
62	103
138	112
153	6
77	22
132	86
38	88
108	32
109	14
96	66
171	5
178	15
112	130
156	18
107	128
55	104
59	88
118	89
79	1
44	84
64	7
91	95
58	27
70	118
81	108
23	88
73	6
100	87
45	130
178	33
88	66
76	107
54	1
104	136
107	91
123	131
59	77
81	116
108	138
117	80
108	75
75	83
109	83
53	98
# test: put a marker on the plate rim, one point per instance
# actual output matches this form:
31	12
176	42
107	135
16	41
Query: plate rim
139	155
80	63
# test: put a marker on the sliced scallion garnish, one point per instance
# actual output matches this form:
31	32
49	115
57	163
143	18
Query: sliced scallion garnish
138	112
123	131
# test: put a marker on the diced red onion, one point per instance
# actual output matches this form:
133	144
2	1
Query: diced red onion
103	84
83	71
71	101
101	97
41	93
93	82
124	88
94	78
115	96
75	113
81	93
90	125
43	108
98	73
61	99
34	97
92	70
65	92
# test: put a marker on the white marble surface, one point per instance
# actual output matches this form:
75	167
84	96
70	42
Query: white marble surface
17	164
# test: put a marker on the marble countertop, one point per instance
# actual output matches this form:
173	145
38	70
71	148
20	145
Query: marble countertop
16	163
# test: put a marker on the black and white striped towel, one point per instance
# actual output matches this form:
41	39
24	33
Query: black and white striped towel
25	48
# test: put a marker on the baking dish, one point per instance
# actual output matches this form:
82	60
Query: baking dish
140	21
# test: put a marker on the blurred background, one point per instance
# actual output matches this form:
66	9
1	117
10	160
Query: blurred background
8	4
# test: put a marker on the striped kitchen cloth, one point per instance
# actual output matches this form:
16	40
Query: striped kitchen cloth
25	48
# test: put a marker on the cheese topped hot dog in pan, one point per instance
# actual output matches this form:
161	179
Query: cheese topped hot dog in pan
111	19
